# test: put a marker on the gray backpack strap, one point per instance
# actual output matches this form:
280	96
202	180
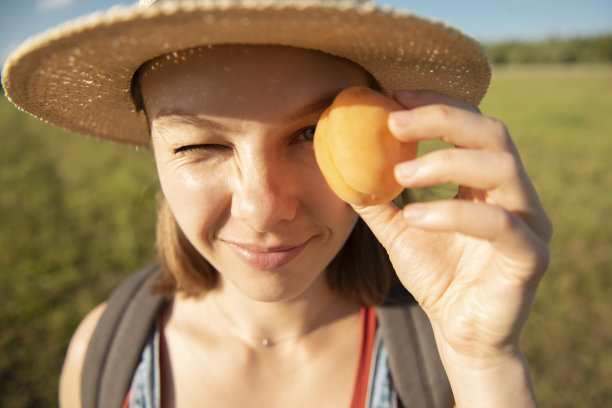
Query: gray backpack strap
117	341
416	369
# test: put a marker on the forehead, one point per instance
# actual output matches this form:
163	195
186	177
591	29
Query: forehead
235	80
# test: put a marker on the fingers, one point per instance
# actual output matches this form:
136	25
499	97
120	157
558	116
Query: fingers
486	167
483	176
465	167
503	229
454	125
496	173
383	220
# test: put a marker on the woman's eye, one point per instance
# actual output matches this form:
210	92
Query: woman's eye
207	148
307	133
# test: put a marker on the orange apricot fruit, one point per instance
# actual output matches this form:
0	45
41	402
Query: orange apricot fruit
355	149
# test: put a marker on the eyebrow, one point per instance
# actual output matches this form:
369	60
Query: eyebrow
312	107
173	118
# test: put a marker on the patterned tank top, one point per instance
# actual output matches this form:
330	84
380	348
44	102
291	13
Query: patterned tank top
373	385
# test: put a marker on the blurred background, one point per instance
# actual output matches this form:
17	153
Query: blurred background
77	215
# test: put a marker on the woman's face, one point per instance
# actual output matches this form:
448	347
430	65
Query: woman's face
232	130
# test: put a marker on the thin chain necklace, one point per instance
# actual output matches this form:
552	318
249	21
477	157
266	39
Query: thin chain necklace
253	340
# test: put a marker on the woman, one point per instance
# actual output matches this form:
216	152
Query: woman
253	242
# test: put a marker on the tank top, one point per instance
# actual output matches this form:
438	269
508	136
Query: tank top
373	386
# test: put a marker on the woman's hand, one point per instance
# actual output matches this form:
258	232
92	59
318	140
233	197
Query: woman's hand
473	262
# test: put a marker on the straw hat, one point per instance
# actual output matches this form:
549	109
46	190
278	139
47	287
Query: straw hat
78	75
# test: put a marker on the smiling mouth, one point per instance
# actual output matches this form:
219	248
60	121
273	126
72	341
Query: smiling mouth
266	258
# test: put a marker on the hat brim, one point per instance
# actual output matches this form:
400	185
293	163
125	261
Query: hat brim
78	76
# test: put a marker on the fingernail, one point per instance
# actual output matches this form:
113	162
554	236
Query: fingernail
406	170
400	119
415	212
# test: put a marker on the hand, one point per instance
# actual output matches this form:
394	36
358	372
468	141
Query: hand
473	262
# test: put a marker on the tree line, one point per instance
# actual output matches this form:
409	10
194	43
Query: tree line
597	49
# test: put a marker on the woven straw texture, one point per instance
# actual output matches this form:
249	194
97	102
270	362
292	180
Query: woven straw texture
78	75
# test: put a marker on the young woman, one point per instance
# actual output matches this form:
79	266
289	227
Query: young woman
272	281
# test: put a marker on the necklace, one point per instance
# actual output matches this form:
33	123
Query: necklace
266	342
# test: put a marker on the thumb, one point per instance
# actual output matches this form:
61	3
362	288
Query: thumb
417	255
394	231
384	220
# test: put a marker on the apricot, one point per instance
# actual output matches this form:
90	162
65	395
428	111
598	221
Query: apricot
355	149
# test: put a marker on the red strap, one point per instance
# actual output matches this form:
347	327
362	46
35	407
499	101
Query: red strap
368	318
126	402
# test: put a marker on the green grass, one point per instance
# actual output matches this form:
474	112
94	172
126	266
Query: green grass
77	215
561	121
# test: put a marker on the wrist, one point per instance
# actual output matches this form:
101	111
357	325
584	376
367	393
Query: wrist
502	380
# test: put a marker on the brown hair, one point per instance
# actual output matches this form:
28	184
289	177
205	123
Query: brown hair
360	271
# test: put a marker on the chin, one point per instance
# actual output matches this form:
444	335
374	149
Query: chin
278	286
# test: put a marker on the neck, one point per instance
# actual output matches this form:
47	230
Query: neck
267	323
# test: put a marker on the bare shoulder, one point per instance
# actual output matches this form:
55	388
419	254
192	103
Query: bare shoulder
70	380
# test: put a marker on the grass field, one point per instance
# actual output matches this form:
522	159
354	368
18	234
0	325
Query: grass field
76	216
562	122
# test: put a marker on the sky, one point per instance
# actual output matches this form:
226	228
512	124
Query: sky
485	20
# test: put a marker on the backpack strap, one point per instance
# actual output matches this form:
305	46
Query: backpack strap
115	346
418	375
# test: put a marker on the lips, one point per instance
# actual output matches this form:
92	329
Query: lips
266	258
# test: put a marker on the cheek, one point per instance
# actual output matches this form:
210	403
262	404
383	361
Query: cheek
325	203
198	198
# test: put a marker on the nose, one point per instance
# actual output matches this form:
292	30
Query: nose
264	196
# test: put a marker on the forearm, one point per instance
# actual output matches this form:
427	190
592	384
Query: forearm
500	382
